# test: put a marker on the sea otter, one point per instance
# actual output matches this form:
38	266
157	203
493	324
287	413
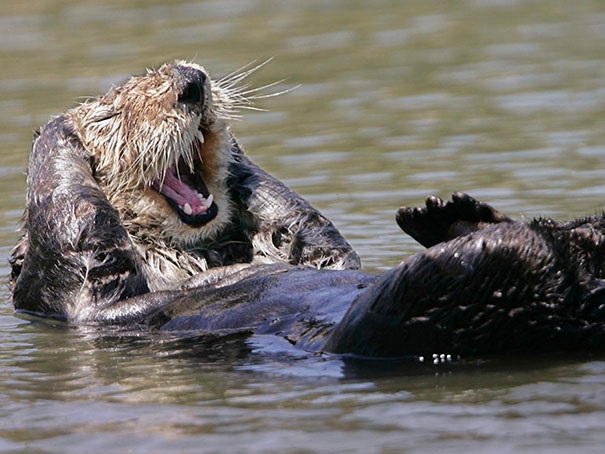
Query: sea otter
143	210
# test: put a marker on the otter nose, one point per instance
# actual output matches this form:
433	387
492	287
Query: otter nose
193	85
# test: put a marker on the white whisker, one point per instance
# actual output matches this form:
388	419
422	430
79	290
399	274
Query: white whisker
278	93
241	73
253	108
237	95
242	90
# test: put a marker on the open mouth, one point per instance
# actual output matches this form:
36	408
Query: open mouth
187	194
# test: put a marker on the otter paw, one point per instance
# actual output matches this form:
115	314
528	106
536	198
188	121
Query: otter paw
428	224
440	221
470	209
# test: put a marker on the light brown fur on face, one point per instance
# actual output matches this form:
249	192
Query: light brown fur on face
139	130
172	194
136	131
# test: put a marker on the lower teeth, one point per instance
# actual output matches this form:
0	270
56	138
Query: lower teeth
209	201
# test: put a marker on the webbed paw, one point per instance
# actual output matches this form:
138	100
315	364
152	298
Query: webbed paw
440	220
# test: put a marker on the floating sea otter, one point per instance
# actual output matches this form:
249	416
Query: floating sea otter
142	209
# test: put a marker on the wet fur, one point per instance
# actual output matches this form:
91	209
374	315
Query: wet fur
90	209
486	283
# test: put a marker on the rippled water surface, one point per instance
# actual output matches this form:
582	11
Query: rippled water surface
396	100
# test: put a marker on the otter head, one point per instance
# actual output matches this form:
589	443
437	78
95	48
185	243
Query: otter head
160	148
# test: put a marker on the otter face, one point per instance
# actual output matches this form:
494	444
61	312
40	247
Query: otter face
160	149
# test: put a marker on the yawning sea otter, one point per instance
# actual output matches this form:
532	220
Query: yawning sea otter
148	177
143	209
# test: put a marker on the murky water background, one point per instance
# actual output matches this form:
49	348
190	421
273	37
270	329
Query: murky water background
502	99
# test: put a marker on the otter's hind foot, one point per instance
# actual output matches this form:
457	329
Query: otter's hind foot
440	221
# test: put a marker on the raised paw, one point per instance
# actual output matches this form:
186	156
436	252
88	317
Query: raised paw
472	210
440	221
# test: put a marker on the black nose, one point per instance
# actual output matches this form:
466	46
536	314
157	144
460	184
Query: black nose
193	81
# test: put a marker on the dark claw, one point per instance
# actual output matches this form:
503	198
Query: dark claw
433	202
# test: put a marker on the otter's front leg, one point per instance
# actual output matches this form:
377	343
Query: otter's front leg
440	221
287	228
76	258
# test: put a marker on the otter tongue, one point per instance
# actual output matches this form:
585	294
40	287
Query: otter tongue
188	199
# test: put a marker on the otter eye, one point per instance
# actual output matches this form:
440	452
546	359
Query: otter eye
191	94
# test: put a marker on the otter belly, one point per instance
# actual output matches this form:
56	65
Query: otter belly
301	304
136	191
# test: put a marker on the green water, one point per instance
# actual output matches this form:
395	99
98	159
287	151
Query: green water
396	100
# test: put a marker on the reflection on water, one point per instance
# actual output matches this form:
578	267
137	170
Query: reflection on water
505	100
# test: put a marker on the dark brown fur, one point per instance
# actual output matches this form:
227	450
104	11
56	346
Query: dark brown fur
486	283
